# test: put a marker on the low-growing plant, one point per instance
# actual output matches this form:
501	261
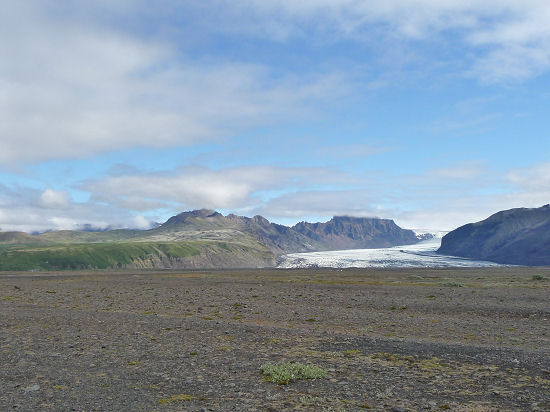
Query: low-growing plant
451	284
282	373
308	400
351	352
538	277
176	398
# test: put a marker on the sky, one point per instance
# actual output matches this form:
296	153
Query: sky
119	113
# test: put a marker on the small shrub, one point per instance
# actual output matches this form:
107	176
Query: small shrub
284	372
538	277
308	400
351	352
182	397
451	284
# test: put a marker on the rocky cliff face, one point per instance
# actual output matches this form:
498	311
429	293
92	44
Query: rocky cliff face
279	239
211	258
516	236
344	232
188	216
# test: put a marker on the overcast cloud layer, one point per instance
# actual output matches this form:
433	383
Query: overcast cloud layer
430	112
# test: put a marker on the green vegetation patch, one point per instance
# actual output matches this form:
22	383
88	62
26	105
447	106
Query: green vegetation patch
282	373
182	397
118	255
92	255
451	284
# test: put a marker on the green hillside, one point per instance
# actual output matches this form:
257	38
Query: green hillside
74	236
131	255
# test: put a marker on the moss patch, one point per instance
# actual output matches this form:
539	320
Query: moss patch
284	372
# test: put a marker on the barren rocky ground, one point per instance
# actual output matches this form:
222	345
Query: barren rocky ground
391	340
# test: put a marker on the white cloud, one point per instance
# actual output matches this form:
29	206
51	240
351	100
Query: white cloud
509	39
323	203
463	171
53	199
532	179
440	199
73	88
230	188
29	210
140	222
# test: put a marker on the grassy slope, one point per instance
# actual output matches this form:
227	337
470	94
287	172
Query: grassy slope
204	240
74	236
114	254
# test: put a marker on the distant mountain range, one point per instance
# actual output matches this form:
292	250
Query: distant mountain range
516	236
196	239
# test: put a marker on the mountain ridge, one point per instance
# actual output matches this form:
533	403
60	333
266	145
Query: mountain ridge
253	241
347	232
519	236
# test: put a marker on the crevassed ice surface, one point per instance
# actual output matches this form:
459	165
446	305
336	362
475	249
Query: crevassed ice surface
419	255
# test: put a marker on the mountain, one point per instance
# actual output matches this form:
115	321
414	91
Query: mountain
207	224
344	232
341	232
196	239
516	236
19	238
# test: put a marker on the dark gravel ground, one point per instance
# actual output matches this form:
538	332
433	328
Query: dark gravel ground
391	340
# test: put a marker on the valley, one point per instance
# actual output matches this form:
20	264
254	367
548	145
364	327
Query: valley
387	339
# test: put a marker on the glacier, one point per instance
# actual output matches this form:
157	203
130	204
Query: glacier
420	255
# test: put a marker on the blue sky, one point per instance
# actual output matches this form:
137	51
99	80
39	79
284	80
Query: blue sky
433	113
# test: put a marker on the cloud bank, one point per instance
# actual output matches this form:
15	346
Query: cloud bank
440	199
72	89
75	83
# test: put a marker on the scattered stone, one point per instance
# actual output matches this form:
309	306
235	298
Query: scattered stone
32	388
198	367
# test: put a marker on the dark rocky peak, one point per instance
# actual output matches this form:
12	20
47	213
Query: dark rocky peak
517	236
260	220
355	219
200	213
237	219
340	224
256	220
349	232
361	221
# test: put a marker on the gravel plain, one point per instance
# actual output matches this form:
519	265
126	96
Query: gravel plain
391	340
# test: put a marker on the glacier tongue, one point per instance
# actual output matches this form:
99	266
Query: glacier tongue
419	255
